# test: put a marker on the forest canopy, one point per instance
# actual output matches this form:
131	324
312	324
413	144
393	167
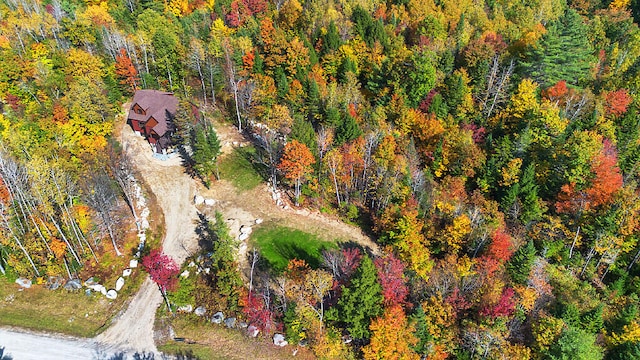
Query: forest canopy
492	147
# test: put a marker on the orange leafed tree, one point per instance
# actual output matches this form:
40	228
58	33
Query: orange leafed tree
607	180
126	71
617	102
392	337
296	164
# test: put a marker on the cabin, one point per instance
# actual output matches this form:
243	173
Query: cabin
151	115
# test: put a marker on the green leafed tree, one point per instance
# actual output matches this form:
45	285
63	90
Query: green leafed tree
575	344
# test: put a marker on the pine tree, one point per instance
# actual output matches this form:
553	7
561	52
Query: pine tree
206	147
564	53
348	130
519	266
361	301
528	194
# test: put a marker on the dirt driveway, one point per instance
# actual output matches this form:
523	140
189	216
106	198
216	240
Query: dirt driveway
175	190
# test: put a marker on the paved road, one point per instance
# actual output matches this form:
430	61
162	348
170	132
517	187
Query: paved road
31	346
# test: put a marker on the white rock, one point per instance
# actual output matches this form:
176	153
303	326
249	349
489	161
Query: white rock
103	290
217	318
200	311
198	200
191	264
245	229
126	272
252	331
243	237
278	340
144	224
133	263
111	294
258	221
23	282
209	202
207	270
186	308
119	283
185	274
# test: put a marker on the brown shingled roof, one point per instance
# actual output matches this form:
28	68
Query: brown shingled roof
156	104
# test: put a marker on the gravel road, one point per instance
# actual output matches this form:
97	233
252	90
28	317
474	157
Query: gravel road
32	346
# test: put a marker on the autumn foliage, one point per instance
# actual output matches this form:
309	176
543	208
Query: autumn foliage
162	269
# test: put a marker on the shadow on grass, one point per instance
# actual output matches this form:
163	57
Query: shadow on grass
278	245
242	168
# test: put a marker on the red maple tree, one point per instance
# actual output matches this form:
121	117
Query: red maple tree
391	276
163	270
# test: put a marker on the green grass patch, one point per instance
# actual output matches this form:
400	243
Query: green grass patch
279	244
61	311
203	352
239	168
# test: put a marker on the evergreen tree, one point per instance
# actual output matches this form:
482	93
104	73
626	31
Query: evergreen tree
348	130
302	130
528	195
564	53
206	147
282	83
331	40
361	301
422	332
519	266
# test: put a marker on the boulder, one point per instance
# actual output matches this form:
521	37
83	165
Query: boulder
126	272
54	282
73	285
186	308
230	322
111	294
185	274
245	229
103	290
217	318
200	311
23	282
278	340
243	237
242	325
252	331
119	283
90	281
191	264
133	263
259	221
144	224
209	202
198	200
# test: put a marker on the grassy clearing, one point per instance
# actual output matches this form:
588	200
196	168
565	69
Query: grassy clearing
215	342
239	168
278	245
61	311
